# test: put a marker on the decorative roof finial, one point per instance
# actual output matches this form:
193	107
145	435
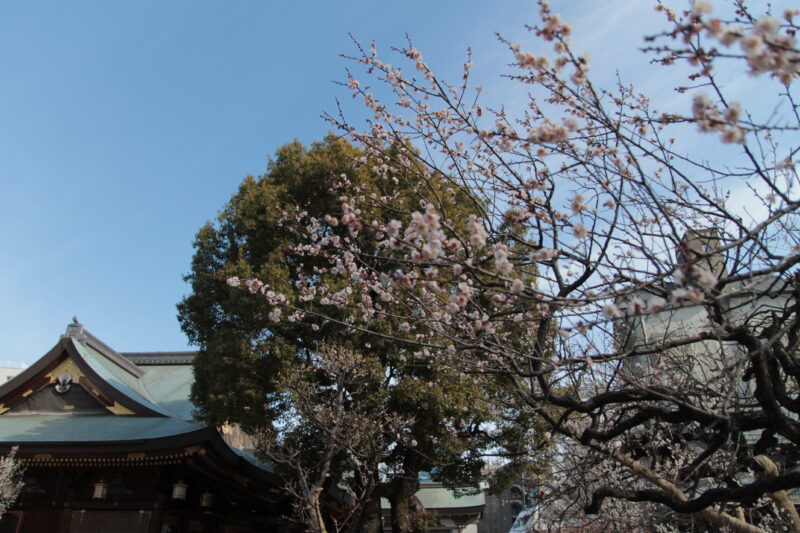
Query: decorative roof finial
75	330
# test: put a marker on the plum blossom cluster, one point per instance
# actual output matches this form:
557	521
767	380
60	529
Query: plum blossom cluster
255	286
709	118
477	233
767	44
424	234
768	47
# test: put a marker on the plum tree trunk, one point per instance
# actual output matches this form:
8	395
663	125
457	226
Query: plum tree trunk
371	520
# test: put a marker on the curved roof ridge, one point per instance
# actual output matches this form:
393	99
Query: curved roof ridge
79	333
115	381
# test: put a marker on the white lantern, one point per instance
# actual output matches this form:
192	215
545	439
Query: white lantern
100	490
206	499
179	490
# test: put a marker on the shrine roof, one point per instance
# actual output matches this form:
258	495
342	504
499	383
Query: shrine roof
128	384
90	429
169	386
442	498
83	392
432	495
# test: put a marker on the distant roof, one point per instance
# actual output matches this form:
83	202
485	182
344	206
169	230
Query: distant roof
443	498
17	365
433	495
160	358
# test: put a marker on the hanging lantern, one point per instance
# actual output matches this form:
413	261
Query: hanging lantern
100	490
206	499
179	490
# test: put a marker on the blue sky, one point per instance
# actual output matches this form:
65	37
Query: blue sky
124	126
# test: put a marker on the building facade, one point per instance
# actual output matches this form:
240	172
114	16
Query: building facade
109	444
447	511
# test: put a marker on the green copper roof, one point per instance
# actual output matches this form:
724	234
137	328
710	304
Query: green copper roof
164	389
74	429
169	387
250	458
156	387
441	498
118	378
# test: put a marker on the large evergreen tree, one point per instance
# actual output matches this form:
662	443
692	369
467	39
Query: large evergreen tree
449	418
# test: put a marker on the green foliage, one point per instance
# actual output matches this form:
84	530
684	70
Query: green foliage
241	350
451	416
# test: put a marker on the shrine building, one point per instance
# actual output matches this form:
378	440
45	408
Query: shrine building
109	443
